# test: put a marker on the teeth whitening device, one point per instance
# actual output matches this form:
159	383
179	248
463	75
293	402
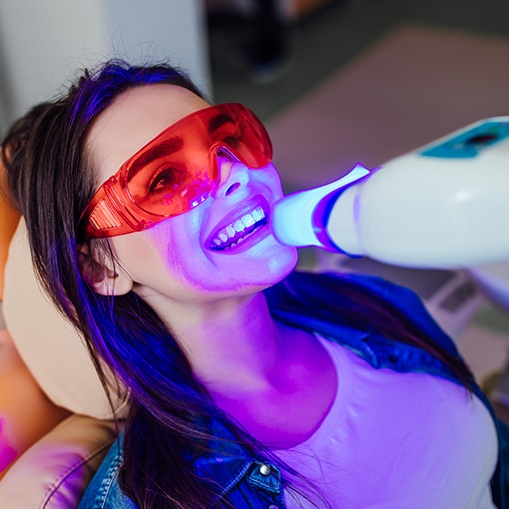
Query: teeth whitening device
445	205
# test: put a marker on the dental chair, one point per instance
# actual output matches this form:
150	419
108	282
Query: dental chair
67	440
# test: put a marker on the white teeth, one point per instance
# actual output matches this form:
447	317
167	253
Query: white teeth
248	220
238	226
257	214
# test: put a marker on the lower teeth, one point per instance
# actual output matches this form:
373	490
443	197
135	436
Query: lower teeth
240	239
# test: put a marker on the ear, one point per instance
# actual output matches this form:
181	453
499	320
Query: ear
105	277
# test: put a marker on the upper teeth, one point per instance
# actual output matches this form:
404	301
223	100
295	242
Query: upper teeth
239	225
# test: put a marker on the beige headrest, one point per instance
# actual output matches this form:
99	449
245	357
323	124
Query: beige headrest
50	347
55	471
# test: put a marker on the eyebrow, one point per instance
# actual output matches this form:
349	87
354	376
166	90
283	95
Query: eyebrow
219	120
165	148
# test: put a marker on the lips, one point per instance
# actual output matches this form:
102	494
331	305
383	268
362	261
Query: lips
239	230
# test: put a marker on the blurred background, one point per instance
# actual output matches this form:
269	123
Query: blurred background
335	81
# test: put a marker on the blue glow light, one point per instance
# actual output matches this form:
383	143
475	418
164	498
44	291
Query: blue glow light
294	218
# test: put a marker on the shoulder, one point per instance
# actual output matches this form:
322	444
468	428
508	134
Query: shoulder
104	490
322	301
347	288
331	283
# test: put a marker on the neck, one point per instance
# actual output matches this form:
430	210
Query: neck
278	382
232	342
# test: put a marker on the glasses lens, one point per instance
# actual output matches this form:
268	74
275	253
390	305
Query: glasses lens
173	173
257	142
171	177
242	134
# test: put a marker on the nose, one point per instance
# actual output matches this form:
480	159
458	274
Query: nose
233	174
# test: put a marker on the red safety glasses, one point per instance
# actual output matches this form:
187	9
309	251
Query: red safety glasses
176	171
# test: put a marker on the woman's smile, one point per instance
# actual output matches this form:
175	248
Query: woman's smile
242	228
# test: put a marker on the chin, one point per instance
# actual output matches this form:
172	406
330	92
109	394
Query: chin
262	272
279	263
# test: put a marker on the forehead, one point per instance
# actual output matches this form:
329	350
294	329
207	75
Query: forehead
133	119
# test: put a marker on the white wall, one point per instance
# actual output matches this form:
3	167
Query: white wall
44	42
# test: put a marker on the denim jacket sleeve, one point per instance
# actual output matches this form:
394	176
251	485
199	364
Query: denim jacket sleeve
104	490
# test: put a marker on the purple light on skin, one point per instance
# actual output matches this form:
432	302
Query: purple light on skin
7	453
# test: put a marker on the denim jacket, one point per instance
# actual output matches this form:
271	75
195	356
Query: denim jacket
251	482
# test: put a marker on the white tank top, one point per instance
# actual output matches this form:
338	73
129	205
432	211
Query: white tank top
397	441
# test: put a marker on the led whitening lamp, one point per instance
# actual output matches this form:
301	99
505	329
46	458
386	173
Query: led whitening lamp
445	205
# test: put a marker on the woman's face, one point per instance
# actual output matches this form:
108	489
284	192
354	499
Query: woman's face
176	259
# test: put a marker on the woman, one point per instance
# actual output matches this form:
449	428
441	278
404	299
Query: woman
251	385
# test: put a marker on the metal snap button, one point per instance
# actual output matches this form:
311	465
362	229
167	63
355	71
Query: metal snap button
273	507
265	470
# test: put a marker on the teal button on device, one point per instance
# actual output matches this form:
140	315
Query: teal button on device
470	143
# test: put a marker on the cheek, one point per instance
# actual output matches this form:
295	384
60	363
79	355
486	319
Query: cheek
270	177
168	250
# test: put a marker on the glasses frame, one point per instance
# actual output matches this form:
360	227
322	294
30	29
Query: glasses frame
114	211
